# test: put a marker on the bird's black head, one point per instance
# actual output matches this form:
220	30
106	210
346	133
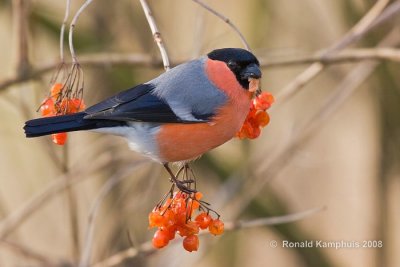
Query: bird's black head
240	61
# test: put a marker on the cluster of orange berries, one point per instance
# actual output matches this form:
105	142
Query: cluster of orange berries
257	117
54	105
175	216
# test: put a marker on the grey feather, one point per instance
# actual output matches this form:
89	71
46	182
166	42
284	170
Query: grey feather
188	91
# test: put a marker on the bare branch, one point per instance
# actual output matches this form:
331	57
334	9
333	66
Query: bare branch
64	23
23	251
294	217
366	24
142	60
20	21
71	29
345	56
156	34
360	28
18	216
147	247
226	20
107	187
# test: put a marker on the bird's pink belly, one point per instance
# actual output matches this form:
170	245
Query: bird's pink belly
181	142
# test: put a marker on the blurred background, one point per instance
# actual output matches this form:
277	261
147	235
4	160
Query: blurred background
334	145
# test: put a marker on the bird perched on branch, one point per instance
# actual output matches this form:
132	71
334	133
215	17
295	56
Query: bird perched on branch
177	116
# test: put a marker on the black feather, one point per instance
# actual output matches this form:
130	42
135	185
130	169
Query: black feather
64	123
135	104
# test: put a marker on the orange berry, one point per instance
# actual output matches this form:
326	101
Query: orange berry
160	239
156	219
263	101
190	228
76	105
250	130
194	205
56	90
240	134
169	218
180	195
191	243
59	138
70	106
170	232
257	117
262	118
180	218
256	133
216	227
178	206
198	195
203	220
47	107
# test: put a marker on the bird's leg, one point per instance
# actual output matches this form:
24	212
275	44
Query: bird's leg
189	176
183	186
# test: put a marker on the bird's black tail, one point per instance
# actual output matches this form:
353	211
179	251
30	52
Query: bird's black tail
64	123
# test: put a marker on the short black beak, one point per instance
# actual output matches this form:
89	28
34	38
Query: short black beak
251	71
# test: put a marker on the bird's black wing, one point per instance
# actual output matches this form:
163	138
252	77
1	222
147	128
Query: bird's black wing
135	104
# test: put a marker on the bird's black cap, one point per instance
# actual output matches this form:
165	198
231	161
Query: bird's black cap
233	54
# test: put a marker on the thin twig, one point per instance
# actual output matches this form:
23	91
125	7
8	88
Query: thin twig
71	30
20	17
64	23
107	187
227	21
366	24
156	34
143	60
147	247
345	56
294	217
72	205
18	216
23	251
362	26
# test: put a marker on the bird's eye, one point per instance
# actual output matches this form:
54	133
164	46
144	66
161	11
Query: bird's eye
232	64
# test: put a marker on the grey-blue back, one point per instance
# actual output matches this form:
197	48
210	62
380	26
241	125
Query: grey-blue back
188	90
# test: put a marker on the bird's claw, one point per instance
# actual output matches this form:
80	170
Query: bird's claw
184	187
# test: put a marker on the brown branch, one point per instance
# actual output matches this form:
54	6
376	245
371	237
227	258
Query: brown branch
72	27
141	60
72	205
345	56
226	20
20	21
18	216
374	17
147	247
107	187
23	251
62	30
156	34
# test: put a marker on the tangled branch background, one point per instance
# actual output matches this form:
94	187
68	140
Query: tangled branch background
326	168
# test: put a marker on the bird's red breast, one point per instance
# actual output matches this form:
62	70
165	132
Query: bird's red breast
180	142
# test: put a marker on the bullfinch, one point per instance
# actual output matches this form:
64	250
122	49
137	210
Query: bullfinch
176	117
